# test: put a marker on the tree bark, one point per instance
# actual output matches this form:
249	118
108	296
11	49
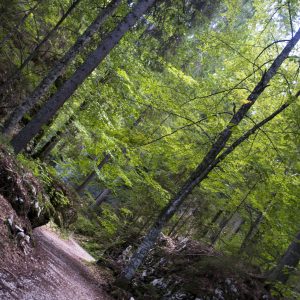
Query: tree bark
251	232
44	151
93	60
38	47
58	69
208	163
184	213
226	220
93	174
288	261
212	222
100	198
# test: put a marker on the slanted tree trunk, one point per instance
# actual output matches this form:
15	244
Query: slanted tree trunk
212	222
251	232
51	143
58	69
183	223
93	174
45	150
209	162
288	262
226	220
216	235
36	49
236	227
93	60
100	199
184	213
254	227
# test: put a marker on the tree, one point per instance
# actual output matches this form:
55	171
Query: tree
37	48
211	159
288	262
59	68
94	59
93	174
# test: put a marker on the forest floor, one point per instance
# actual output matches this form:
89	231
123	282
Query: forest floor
55	269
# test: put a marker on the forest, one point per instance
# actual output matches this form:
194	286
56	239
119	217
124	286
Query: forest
163	135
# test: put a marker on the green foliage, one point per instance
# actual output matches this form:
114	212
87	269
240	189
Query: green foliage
156	105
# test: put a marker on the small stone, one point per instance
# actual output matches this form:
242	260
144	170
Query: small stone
18	229
144	274
20	235
27	239
10	221
233	288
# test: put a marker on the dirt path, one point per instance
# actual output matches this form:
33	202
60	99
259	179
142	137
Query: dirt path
59	271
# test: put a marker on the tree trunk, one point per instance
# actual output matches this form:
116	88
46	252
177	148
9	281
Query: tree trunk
38	47
288	261
254	228
93	60
208	163
178	221
251	232
212	222
45	150
183	223
58	69
216	235
92	175
226	220
236	227
100	199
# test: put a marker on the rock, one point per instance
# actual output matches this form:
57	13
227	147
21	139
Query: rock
27	239
159	283
20	235
219	294
18	229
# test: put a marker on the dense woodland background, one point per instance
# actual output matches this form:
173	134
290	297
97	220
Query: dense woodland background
182	117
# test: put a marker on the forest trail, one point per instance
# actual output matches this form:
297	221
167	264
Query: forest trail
61	273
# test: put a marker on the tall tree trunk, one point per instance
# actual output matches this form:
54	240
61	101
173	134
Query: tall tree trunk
251	232
93	60
183	223
93	174
209	162
236	227
100	198
45	150
212	222
254	228
226	220
288	262
178	221
36	49
58	69
216	235
51	143
21	22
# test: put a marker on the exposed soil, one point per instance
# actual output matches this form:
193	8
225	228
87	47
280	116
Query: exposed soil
55	269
